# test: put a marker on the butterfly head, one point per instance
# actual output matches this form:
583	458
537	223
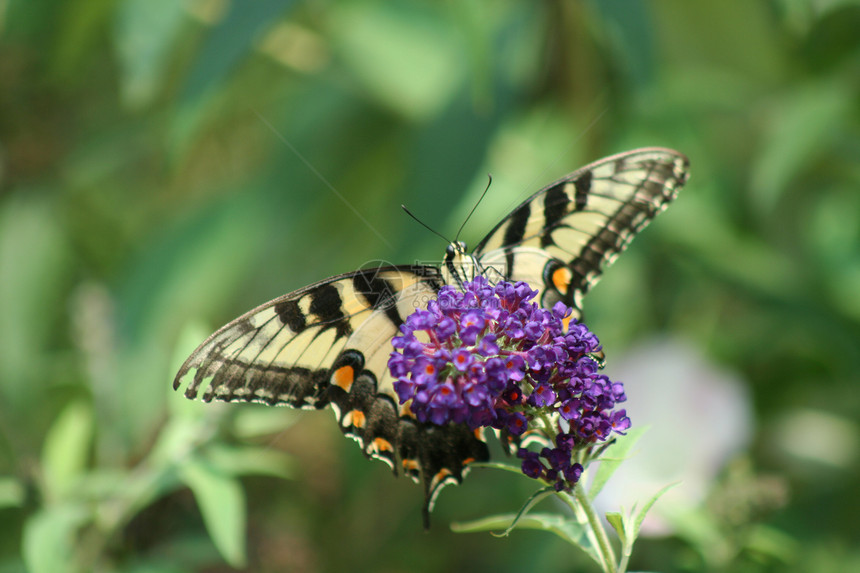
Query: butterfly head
459	265
455	250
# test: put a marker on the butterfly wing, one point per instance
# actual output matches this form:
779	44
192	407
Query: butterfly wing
562	238
328	344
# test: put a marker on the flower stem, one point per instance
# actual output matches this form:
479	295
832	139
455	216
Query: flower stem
549	427
596	530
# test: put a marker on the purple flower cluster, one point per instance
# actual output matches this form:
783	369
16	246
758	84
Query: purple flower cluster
488	357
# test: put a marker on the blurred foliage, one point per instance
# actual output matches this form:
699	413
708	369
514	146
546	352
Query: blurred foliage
166	162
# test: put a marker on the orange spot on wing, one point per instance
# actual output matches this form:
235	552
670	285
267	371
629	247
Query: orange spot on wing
468	461
410	465
561	278
343	377
382	445
358	418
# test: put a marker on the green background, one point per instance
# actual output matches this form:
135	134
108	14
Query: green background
166	165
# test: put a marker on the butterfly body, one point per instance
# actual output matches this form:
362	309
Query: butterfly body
328	344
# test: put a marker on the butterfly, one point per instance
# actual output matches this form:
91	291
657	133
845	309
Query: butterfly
328	344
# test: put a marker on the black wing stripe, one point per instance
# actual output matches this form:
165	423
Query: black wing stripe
327	304
582	185
555	208
379	294
290	314
517	224
583	221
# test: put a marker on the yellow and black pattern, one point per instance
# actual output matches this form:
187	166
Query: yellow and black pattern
328	344
566	234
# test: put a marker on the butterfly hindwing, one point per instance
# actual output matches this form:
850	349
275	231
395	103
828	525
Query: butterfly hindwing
566	234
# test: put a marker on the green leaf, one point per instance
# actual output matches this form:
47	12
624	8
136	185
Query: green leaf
67	446
633	37
229	41
411	79
48	542
607	465
33	290
11	492
616	520
532	501
569	530
145	32
255	420
805	126
227	44
766	540
190	266
248	460
497	466
156	566
222	505
639	516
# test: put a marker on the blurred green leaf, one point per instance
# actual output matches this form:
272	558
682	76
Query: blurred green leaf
630	32
803	127
567	529
66	449
222	505
11	492
228	41
34	265
182	435
193	266
532	501
145	32
638	517
769	540
156	567
249	460
699	528
616	520
499	466
613	457
78	37
414	80
49	538
253	421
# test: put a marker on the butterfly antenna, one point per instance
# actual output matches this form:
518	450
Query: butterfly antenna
423	224
478	202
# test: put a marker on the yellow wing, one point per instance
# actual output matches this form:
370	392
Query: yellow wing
562	238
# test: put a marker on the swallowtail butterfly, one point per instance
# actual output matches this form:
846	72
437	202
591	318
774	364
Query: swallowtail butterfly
328	344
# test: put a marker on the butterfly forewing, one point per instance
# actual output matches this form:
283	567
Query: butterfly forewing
282	351
562	238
